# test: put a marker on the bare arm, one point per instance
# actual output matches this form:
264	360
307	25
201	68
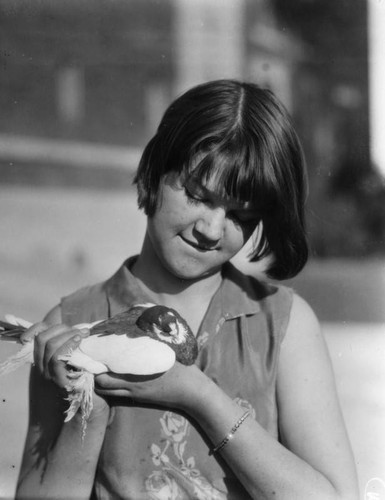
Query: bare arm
312	424
56	463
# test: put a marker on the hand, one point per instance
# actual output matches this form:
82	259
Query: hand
51	342
177	388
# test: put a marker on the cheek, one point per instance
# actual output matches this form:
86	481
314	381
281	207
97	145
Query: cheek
174	210
237	236
168	221
181	216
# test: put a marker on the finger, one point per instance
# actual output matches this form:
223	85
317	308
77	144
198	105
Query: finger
120	385
34	330
58	345
112	384
113	393
41	340
108	386
58	370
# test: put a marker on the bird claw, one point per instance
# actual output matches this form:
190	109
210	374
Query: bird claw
74	374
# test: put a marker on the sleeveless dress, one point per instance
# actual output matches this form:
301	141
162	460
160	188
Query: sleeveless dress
150	452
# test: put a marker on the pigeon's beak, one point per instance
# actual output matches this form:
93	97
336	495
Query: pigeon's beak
165	321
168	329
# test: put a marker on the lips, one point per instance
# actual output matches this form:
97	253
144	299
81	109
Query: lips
198	246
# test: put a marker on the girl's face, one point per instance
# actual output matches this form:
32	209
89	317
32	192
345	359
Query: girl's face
194	231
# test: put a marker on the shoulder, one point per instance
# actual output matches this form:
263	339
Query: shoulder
304	346
85	293
253	296
85	305
53	317
303	319
76	306
100	300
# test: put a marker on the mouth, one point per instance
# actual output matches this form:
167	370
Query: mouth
199	246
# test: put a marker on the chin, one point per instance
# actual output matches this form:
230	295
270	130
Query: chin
194	273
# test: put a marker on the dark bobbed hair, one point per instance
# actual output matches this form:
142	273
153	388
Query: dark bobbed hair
243	135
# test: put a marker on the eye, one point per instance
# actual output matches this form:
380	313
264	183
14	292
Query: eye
194	196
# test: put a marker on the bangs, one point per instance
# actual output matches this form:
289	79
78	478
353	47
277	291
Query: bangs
239	172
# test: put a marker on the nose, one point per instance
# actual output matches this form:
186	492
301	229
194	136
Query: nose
211	224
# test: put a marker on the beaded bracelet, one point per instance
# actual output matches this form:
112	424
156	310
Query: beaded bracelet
231	433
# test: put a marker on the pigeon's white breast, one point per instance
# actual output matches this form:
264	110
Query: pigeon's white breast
121	354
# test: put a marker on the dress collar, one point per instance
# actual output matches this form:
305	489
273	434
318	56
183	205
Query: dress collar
235	297
123	290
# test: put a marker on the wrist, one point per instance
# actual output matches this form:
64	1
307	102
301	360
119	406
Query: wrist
214	410
202	392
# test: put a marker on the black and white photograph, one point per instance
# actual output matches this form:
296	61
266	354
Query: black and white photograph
192	249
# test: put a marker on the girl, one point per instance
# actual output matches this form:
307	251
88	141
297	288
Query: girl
257	416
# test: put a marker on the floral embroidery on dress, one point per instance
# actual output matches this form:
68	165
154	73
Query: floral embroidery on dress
160	487
243	403
176	476
178	479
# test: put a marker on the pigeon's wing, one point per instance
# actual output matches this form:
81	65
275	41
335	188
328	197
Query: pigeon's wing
23	356
123	323
11	330
18	321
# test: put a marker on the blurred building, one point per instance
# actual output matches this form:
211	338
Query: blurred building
106	70
331	111
103	72
81	69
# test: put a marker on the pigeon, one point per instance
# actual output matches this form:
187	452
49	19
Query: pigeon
146	339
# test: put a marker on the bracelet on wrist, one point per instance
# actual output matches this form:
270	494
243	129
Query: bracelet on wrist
230	435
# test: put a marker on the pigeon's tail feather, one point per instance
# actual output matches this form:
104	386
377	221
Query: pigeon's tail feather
11	330
25	355
22	323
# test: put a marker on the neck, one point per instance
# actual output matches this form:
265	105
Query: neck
166	288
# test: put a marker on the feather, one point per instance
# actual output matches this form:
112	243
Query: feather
80	394
23	356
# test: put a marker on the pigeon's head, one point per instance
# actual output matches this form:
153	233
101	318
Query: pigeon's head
166	324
